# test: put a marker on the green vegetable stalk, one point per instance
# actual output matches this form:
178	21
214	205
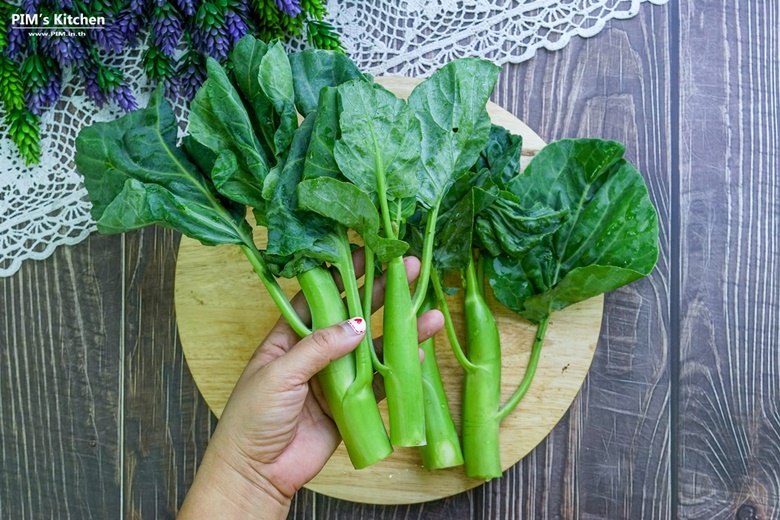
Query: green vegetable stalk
481	385
442	449
357	417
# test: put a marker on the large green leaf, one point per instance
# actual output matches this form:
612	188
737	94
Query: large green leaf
247	56
501	155
320	160
505	227
379	149
454	238
314	69
293	231
609	239
276	80
352	208
135	176
450	106
219	121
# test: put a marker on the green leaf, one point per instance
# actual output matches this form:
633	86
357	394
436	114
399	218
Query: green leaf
314	69
501	155
294	233
219	121
247	57
379	149
320	160
136	176
276	81
609	239
352	208
455	124
505	227
454	238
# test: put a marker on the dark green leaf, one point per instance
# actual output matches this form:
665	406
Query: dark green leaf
320	161
314	69
504	227
379	149
609	239
247	57
455	124
292	231
501	155
136	176
219	121
276	81
453	245
352	208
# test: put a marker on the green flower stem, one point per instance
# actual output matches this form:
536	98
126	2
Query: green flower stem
365	371
421	290
276	293
460	355
530	370
368	300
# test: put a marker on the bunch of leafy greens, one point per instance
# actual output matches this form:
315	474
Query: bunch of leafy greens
576	224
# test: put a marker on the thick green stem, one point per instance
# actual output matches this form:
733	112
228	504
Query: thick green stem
482	386
448	325
530	370
276	293
357	418
365	371
426	261
442	449
403	377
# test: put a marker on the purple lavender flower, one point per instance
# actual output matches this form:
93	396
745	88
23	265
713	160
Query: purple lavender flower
30	6
166	28
123	97
128	24
209	36
38	98
17	40
289	7
42	82
92	85
191	75
241	7
64	4
187	7
110	37
137	6
65	50
235	26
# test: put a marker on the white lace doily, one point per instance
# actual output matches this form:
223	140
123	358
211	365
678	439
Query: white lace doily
45	206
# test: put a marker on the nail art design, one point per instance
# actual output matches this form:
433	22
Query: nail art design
358	325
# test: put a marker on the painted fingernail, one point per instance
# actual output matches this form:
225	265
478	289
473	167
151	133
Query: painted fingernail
358	325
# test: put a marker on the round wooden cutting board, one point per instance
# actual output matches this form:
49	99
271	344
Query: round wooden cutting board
223	313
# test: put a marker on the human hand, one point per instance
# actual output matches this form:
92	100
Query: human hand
276	432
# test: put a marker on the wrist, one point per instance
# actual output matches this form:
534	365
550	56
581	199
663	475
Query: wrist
223	488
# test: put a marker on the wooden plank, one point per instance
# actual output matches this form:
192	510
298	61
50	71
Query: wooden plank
730	292
166	423
59	382
610	456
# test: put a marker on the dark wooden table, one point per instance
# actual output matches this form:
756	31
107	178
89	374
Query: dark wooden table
679	417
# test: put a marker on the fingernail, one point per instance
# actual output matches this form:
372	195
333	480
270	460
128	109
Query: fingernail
358	325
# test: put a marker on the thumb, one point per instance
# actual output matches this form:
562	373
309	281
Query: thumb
315	351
